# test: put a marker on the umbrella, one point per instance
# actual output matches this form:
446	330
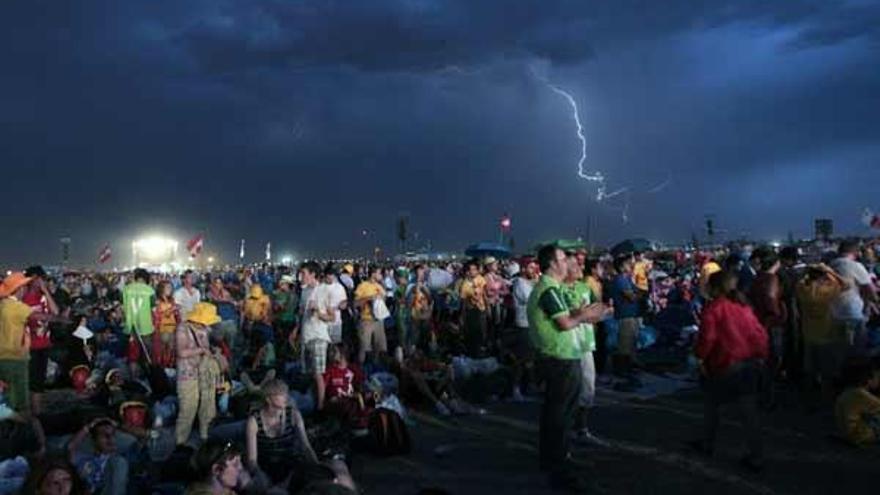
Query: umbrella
483	249
632	245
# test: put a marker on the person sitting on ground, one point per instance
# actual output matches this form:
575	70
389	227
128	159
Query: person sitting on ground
19	434
857	410
105	471
54	477
344	385
277	443
219	471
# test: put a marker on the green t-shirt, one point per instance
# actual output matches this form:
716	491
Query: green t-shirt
137	301
577	295
287	302
547	302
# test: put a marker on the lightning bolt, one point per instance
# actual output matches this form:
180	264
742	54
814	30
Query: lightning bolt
602	193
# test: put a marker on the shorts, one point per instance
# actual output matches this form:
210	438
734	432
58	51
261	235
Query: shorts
588	389
37	368
627	336
370	332
16	375
825	360
315	356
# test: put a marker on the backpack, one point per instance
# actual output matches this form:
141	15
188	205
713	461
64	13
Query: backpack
389	433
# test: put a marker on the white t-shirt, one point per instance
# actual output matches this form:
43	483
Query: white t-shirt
849	304
522	289
314	328
337	296
187	300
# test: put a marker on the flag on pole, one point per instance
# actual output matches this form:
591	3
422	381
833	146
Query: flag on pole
870	219
195	245
241	251
268	251
105	254
505	223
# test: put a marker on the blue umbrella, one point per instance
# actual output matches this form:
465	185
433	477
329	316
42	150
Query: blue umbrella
483	249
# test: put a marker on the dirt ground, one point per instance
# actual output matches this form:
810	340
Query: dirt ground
497	453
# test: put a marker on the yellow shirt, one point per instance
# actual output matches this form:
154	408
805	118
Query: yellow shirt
814	301
473	293
167	318
14	342
257	305
367	291
853	405
595	286
640	275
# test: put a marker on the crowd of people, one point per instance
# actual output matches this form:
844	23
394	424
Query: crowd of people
265	379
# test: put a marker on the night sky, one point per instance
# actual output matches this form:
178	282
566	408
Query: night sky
304	122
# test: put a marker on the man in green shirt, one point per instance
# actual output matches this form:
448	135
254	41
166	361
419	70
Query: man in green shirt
556	329
578	294
138	298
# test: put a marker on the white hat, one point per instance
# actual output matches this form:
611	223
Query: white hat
83	332
288	279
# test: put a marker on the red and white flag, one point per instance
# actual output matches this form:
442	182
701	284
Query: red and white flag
195	245
105	254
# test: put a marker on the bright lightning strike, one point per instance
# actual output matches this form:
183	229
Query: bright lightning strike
597	176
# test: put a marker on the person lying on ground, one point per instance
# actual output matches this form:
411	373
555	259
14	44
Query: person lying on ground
219	471
105	471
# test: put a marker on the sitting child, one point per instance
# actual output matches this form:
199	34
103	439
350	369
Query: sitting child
857	410
344	384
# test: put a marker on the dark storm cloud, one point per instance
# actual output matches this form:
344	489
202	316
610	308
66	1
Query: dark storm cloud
307	121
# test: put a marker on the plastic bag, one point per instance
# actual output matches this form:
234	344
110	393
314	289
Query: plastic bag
380	310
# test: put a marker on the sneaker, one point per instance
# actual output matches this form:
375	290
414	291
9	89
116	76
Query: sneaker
442	410
751	464
586	437
517	396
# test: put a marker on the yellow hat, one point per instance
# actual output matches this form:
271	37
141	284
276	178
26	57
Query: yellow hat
204	314
348	268
12	283
256	292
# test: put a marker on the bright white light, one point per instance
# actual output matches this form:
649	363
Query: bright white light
154	248
287	260
210	259
776	244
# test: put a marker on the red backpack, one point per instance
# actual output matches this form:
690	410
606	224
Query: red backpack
389	433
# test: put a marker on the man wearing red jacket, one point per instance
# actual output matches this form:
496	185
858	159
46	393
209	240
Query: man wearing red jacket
732	347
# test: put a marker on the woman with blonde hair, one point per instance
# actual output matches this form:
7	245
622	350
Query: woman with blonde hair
277	443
